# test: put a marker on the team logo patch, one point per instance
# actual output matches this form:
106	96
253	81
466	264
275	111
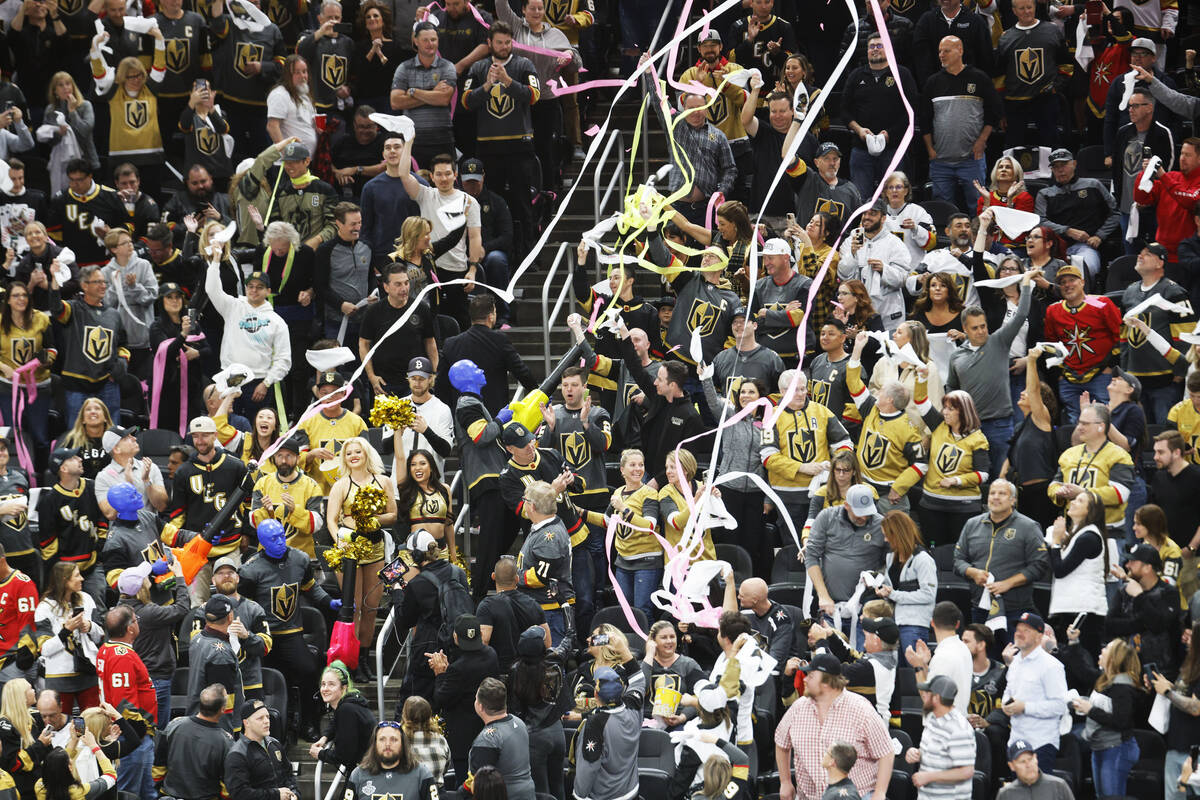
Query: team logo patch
499	104
137	113
284	599
875	449
948	458
970	88
575	448
97	344
207	140
179	55
333	70
818	392
246	53
1083	477
802	446
1031	64
718	112
831	207
702	317
21	350
70	7
556	10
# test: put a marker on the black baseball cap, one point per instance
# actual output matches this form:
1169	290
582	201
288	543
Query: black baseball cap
60	456
1146	554
516	435
170	287
331	377
421	366
883	627
471	170
293	443
824	662
466	631
261	277
1157	249
217	608
250	707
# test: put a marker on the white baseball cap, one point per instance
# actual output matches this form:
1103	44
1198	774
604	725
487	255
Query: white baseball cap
776	247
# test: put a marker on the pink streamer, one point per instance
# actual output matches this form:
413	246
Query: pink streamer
713	202
160	367
24	389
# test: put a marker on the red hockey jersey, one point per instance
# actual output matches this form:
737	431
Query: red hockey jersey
1091	332
123	676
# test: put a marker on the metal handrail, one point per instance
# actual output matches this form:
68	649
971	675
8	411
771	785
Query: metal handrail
614	182
341	773
547	318
646	117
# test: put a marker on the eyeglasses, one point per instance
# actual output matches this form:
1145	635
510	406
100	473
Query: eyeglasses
1139	105
843	470
875	47
95	280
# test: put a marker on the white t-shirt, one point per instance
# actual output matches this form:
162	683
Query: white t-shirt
952	659
294	120
430	200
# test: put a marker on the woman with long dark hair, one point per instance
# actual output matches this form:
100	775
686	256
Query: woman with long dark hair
912	580
853	307
1079	560
666	668
844	472
376	56
1033	455
1111	709
959	463
263	433
65	615
1150	526
734	236
537	693
812	244
939	306
1046	252
60	781
423	501
172	324
428	741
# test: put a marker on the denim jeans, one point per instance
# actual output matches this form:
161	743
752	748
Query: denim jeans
1110	768
1047	754
1069	393
35	418
558	624
1091	259
162	692
1137	499
909	634
109	394
583	580
956	179
997	432
868	171
1172	768
1157	402
134	770
637	585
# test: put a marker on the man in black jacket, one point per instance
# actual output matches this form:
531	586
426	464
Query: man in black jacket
1147	610
950	18
491	350
496	226
455	685
255	768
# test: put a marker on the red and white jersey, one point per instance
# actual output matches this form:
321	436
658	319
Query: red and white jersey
123	676
18	602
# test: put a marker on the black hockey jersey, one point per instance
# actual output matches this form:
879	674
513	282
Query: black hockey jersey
276	586
70	525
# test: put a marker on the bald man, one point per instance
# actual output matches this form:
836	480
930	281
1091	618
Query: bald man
771	623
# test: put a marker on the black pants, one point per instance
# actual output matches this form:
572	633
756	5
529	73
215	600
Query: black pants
515	177
169	111
942	527
247	126
291	656
30	564
424	152
498	527
546	116
747	508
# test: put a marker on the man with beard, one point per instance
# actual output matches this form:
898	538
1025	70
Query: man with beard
766	143
958	235
433	424
762	40
422	89
810	721
289	496
386	204
166	259
780	298
199	200
725	112
1147	607
249	625
873	672
822	189
329	55
880	260
202	486
390	769
69	520
872	106
987	676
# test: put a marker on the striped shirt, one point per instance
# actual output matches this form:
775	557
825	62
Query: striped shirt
947	742
850	718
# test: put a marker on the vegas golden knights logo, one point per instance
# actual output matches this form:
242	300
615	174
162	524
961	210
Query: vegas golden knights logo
179	55
875	449
137	113
948	458
1084	478
17	521
206	140
69	7
97	344
818	392
903	6
557	10
499	104
279	13
21	350
152	552
1031	64
575	448
333	70
719	110
284	598
702	318
802	446
246	53
631	389
832	207
667	681
1133	335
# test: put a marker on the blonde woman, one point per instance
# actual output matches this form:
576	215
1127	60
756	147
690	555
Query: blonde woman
888	368
87	434
608	647
78	118
360	465
1110	710
414	248
20	750
639	564
133	135
673	508
21	323
232	280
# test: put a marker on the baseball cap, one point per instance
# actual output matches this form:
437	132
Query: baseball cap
1157	249
169	287
225	561
1019	746
295	152
466	629
516	435
1061	154
823	662
710	35
664	302
293	443
942	686
1068	271
115	434
421	366
883	627
1131	379
217	608
826	148
419	541
251	707
129	582
532	643
879	205
260	276
472	170
776	247
1146	554
859	498
331	377
60	455
202	425
740	311
608	684
1145	44
1032	620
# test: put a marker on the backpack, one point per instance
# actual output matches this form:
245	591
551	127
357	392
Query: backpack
454	600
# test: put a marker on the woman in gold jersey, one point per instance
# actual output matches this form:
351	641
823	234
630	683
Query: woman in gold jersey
362	466
423	500
639	564
26	333
134	135
673	509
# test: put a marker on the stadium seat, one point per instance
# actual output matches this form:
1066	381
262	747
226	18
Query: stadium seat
900	786
786	568
791	594
905	743
940	210
738	558
315	629
1147	773
1069	764
943	556
275	695
156	444
1090	163
179	695
656	751
1120	274
615	616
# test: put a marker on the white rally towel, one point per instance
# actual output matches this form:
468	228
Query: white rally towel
1147	181
1015	222
1158	301
395	124
1129	78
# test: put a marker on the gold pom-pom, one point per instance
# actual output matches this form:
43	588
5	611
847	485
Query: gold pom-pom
357	548
333	557
368	503
395	412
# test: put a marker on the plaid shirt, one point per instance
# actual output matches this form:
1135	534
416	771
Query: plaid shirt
822	305
432	750
851	718
708	151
